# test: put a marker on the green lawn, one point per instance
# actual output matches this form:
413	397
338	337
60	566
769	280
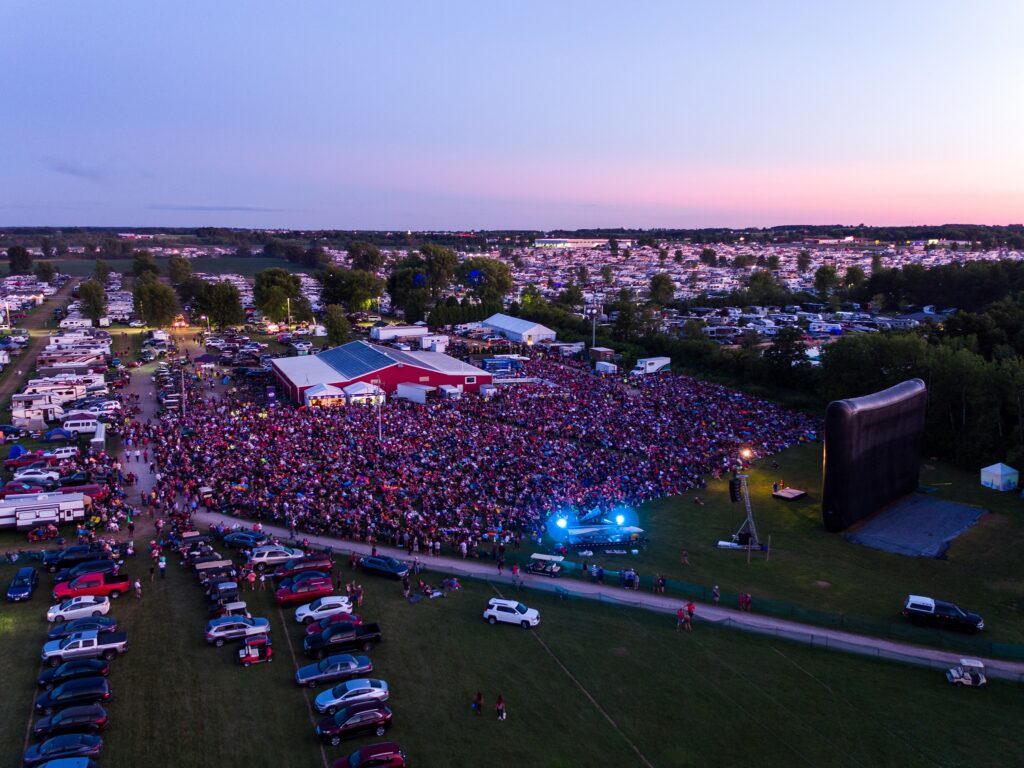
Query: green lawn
713	697
821	571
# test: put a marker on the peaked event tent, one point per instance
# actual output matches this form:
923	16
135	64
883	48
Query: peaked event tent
999	477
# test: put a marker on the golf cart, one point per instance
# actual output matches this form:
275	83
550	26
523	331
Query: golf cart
43	533
238	608
545	565
255	650
969	673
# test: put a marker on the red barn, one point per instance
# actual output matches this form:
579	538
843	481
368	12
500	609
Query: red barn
382	366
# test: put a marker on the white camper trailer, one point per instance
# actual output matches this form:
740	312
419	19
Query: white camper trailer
30	510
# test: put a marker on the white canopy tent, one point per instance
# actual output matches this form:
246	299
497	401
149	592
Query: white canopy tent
999	477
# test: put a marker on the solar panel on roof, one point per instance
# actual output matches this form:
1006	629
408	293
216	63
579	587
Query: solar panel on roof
355	359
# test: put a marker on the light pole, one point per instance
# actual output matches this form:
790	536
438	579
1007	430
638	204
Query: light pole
380	423
204	317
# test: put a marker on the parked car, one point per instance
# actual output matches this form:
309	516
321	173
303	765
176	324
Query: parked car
939	613
98	624
15	487
108	584
78	607
84	690
387	754
384	566
342	638
261	557
91	718
72	670
302	576
341	666
511	612
245	539
369	717
28	458
89	566
310	589
89	644
54	560
23	585
322	608
332	621
30	474
69	745
299	564
218	631
350	692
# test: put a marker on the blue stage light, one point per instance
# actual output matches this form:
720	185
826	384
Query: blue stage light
619	519
562	522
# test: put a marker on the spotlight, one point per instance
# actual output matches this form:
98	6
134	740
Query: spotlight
619	519
746	453
562	522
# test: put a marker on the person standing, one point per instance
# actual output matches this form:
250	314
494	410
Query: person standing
163	567
478	703
138	589
500	708
680	617
716	594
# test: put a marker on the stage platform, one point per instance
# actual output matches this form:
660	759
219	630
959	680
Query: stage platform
916	526
788	494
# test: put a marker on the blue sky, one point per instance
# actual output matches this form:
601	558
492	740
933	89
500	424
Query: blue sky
410	115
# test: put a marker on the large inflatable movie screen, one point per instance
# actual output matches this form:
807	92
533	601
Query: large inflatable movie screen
872	452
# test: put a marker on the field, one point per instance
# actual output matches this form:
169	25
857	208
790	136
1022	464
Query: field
593	685
821	571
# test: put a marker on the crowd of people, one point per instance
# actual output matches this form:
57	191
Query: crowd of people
457	471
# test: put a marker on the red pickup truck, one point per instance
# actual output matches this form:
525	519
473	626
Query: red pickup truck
111	585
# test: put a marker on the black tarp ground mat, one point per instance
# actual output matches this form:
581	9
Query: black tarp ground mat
917	526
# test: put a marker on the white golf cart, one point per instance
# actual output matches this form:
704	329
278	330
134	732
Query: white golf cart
545	565
969	673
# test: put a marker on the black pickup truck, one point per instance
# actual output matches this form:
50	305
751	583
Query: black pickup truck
342	638
54	560
939	613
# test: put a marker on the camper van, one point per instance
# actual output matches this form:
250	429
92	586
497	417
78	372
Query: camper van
76	322
30	510
81	425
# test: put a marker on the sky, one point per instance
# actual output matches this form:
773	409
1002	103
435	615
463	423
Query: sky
519	115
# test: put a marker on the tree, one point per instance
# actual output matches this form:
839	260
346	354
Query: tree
337	325
876	263
222	305
489	280
825	279
662	289
613	246
20	260
439	266
607	275
803	261
272	291
582	274
662	254
144	263
626	322
364	256
45	271
101	271
407	287
179	269
677	256
353	288
786	359
709	257
572	296
155	302
93	298
46	245
316	257
772	262
855	278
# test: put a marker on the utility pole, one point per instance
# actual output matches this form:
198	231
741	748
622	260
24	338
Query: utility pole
289	305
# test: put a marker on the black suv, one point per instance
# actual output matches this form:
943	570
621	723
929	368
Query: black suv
925	610
72	556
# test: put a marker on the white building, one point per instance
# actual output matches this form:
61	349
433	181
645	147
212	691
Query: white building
516	329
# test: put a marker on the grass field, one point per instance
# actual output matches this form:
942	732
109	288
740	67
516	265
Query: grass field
594	685
819	570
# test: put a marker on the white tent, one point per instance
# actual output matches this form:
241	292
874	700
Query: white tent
323	394
999	477
363	393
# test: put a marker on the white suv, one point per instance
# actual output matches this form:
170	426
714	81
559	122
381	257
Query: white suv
511	612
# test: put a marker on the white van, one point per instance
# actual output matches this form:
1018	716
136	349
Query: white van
80	426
